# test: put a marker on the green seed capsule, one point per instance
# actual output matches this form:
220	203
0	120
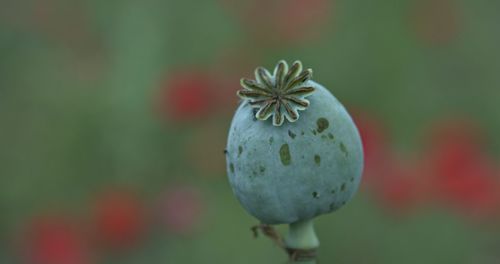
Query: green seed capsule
301	141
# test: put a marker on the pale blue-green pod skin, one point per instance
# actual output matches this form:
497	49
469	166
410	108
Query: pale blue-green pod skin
321	173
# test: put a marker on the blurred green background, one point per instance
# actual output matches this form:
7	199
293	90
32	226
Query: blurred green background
114	116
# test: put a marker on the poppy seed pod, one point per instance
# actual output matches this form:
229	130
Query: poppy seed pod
293	151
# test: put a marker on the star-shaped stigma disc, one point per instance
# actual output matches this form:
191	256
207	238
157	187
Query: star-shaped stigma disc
281	94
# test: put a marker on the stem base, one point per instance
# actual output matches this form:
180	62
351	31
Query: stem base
301	242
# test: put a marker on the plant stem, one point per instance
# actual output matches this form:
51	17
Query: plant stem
302	242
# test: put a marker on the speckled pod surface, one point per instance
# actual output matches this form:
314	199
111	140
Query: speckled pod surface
295	170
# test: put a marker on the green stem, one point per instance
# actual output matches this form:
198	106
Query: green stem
302	238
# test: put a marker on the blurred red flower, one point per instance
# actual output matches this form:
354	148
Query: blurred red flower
187	95
119	219
278	21
463	174
436	22
376	148
181	209
399	188
299	19
455	170
474	192
53	239
395	183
